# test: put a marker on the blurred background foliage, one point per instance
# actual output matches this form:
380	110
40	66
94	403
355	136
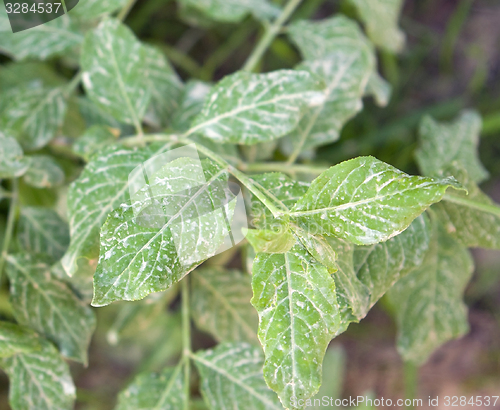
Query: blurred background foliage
451	61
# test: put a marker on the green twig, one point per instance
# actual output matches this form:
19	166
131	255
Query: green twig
125	10
10	225
186	339
269	35
411	382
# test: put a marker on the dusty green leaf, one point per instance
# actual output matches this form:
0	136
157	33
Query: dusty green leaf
90	9
381	265
42	231
232	11
94	139
379	89
318	247
443	145
16	339
346	66
231	378
33	115
250	108
151	391
53	38
428	301
164	85
268	241
191	103
29	73
114	71
43	172
352	295
170	227
102	186
41	301
299	315
380	18
13	164
366	201
220	305
93	115
39	380
473	219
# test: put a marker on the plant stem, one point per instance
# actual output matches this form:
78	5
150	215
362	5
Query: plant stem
411	380
73	83
186	339
10	225
125	10
270	34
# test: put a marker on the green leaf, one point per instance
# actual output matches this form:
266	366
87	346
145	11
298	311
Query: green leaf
299	315
428	302
164	85
43	172
249	108
53	38
381	21
93	115
473	219
152	243
46	304
231	377
114	65
29	73
94	139
102	186
191	103
42	231
150	391
381	265
33	115
12	162
366	201
220	305
352	295
264	240
39	380
16	339
232	11
90	9
444	145
316	40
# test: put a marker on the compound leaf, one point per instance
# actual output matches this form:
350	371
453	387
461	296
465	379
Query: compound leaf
366	201
299	315
172	225
45	303
42	231
39	380
249	108
381	21
17	339
381	265
43	172
12	162
114	66
33	114
102	186
447	145
149	391
221	305
231	377
428	301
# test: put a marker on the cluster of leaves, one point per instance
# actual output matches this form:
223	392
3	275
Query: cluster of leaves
321	253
